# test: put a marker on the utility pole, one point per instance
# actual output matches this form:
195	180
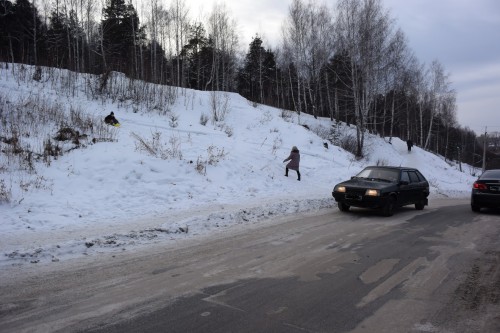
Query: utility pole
484	149
459	159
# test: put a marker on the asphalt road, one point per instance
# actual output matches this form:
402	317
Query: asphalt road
436	270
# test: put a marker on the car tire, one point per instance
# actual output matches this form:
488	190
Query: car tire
343	207
475	208
420	205
388	209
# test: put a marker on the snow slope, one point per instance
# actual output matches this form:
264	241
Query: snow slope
112	196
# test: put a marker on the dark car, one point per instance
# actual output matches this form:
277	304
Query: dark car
486	191
384	188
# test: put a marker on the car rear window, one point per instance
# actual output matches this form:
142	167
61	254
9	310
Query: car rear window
495	174
422	178
413	177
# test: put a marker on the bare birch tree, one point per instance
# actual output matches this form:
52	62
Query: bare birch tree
365	33
308	39
221	30
294	41
319	49
439	92
179	17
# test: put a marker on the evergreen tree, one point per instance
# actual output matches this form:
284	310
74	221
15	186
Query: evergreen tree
57	41
205	65
154	53
6	30
66	45
193	54
255	79
121	37
21	32
270	71
339	89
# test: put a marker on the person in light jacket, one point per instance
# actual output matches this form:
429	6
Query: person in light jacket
294	159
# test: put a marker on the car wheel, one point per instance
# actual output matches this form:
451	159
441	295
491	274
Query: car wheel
388	209
420	205
343	207
475	208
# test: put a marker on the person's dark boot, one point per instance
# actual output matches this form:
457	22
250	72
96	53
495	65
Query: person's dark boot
298	176
286	172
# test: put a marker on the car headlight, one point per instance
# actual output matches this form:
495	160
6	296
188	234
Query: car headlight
340	189
372	193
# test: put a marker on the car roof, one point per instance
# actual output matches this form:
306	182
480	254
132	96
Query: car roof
390	167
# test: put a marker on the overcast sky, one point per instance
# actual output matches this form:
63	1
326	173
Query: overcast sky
462	34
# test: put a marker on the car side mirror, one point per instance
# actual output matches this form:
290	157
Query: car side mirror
404	182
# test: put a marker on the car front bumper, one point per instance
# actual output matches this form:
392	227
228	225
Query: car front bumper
362	201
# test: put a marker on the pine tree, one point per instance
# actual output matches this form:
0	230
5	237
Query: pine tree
21	32
255	79
6	30
121	37
192	53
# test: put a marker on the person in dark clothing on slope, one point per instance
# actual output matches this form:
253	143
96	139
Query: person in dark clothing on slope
294	159
111	120
409	143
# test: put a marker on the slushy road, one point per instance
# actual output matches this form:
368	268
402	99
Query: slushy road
436	270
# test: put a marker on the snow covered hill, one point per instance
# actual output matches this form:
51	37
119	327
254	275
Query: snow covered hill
201	176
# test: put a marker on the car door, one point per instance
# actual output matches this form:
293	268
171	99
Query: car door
405	190
415	191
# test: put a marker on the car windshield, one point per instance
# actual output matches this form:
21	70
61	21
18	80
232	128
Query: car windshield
491	174
379	174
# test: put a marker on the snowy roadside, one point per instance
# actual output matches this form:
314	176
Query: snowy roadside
183	225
